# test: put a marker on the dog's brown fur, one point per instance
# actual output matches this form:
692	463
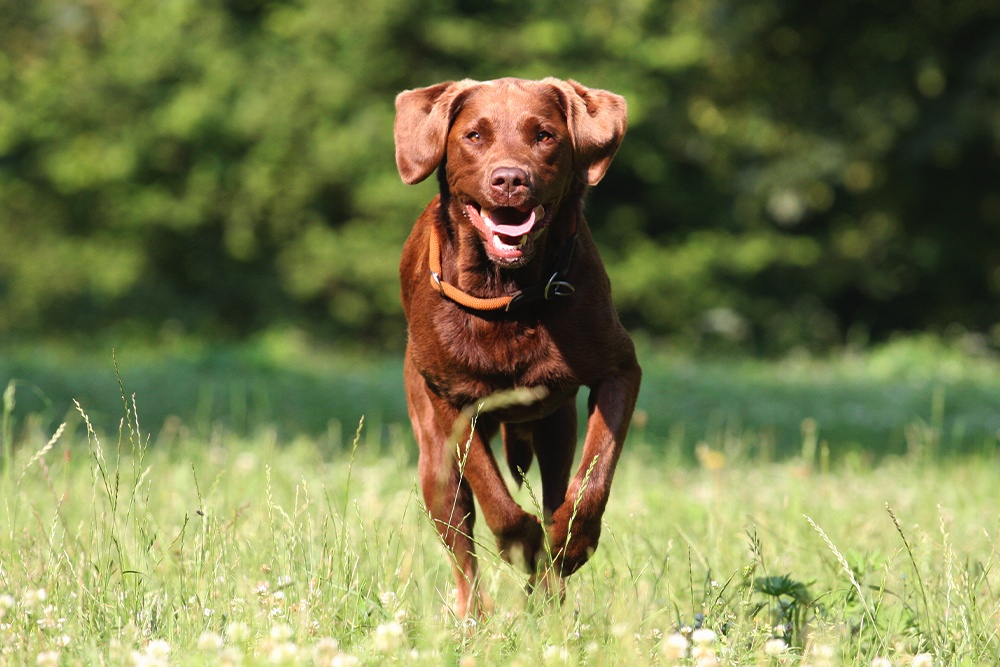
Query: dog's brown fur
517	144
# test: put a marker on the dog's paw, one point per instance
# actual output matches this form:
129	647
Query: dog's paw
522	544
572	542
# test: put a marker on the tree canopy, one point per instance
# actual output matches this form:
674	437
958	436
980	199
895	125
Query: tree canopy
794	173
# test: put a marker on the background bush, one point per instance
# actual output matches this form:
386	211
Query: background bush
794	174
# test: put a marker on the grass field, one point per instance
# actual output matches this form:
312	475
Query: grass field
196	540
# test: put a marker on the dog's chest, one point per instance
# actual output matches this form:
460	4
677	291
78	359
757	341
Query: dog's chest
481	357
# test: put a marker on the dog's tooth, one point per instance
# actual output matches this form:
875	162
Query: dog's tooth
539	212
489	221
497	243
524	239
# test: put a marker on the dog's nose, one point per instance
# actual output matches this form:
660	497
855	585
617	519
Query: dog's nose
507	179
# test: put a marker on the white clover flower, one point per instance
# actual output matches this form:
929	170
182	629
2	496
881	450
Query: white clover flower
7	603
345	660
881	662
704	637
704	655
775	647
158	648
325	650
284	580
209	641
922	660
47	659
388	599
282	632
230	656
282	652
389	637
49	619
555	655
674	647
237	631
34	597
157	653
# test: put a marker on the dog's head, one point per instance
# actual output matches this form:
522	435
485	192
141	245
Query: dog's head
511	148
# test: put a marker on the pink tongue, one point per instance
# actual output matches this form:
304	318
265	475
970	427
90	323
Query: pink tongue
515	230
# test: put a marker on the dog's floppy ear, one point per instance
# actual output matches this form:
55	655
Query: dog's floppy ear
423	117
597	120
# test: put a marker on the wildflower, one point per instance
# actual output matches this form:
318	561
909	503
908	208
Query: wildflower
389	637
157	653
209	641
49	620
237	631
282	632
158	648
674	647
284	581
555	655
282	652
345	660
47	659
325	650
704	637
7	603
775	647
230	656
922	660
388	599
34	597
704	656
881	662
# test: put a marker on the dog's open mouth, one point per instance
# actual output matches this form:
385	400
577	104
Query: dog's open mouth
507	231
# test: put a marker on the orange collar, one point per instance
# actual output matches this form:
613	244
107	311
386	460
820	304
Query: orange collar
556	285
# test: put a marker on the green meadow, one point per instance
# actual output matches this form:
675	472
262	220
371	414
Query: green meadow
258	505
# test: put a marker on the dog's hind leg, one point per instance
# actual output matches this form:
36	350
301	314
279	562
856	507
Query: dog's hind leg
554	443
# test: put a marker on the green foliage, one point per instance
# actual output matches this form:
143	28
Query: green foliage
792	175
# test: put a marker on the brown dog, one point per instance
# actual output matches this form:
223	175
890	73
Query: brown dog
503	288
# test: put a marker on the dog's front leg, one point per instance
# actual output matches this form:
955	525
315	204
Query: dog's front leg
519	534
576	524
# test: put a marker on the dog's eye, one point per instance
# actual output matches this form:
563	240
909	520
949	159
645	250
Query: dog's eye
544	137
473	137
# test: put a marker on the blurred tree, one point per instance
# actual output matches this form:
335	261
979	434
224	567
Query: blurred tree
793	174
